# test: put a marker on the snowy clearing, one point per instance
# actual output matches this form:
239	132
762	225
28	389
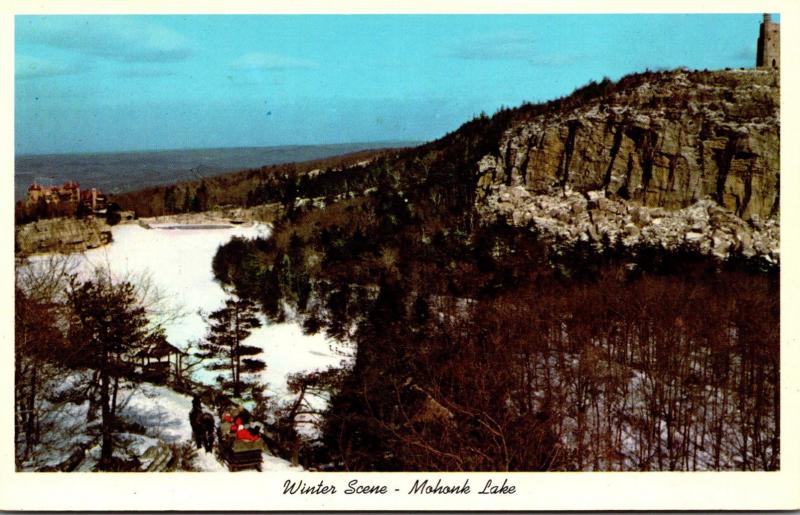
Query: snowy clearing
178	264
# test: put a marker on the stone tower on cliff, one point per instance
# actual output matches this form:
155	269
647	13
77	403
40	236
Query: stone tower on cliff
769	44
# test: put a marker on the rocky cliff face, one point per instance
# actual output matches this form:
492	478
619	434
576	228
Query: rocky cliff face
670	142
569	216
62	235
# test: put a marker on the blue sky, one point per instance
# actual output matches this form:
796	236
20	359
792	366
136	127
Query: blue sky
112	83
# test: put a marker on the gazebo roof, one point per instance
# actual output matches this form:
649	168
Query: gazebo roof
159	350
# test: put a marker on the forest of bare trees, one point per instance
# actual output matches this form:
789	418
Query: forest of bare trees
571	377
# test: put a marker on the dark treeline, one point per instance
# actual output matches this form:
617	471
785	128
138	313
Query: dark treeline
251	187
482	348
25	213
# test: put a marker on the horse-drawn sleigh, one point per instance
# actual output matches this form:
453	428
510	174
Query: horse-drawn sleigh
239	453
237	446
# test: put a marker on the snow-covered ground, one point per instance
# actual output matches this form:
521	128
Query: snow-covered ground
175	262
164	413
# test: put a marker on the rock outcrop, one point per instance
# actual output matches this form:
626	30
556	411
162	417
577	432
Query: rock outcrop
682	144
569	216
63	235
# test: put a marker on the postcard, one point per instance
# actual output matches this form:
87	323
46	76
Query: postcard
399	256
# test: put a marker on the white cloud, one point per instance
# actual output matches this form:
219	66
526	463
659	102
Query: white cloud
120	38
267	61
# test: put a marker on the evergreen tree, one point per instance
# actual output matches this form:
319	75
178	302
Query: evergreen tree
109	326
200	201
170	200
187	201
228	328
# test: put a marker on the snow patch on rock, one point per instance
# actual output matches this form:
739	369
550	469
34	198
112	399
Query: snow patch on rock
568	216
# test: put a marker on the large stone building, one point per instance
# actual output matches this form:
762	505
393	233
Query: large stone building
769	44
93	198
66	194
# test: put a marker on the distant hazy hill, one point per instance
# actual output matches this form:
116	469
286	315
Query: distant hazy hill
125	171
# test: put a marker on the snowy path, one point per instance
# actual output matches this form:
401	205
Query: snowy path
164	413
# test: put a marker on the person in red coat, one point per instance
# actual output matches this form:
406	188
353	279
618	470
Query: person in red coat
243	434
